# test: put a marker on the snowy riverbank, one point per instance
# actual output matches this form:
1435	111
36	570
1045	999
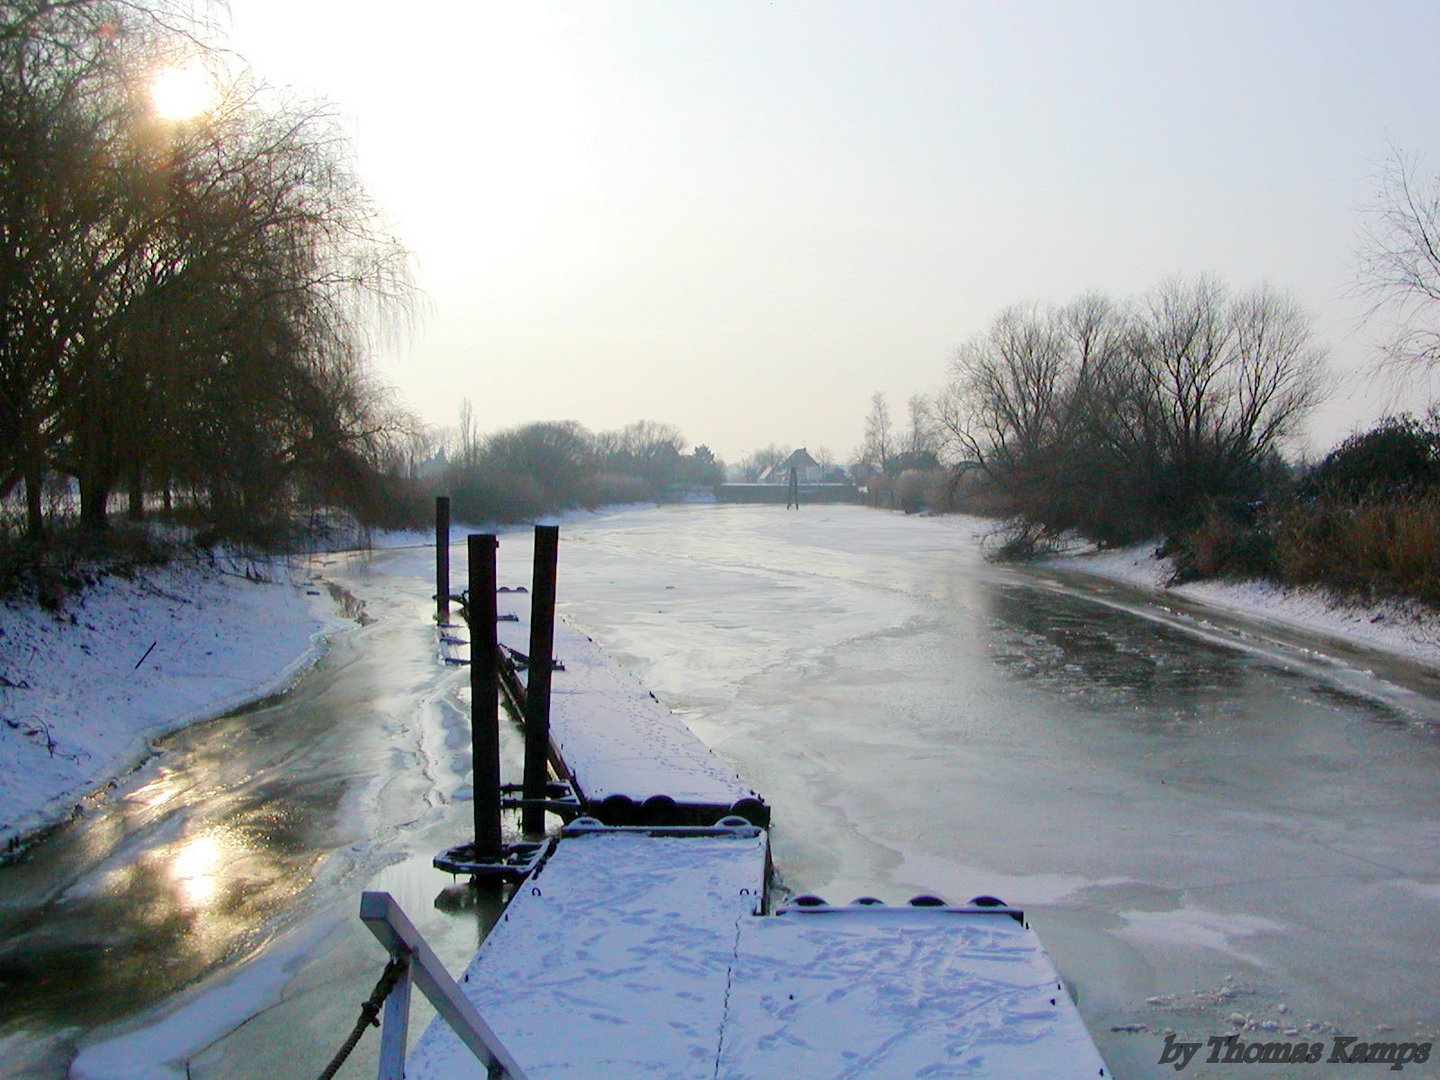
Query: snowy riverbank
1403	629
83	692
85	688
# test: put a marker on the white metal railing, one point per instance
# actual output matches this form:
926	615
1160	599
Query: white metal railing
389	924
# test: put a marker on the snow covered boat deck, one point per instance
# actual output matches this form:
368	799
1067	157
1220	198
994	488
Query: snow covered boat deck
637	952
876	990
611	959
629	759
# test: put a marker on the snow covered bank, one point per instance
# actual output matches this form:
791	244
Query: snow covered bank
1405	629
84	689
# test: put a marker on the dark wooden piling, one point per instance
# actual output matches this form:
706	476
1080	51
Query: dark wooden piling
484	697
537	693
442	559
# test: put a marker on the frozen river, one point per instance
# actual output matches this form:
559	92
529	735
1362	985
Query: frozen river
1206	826
1201	823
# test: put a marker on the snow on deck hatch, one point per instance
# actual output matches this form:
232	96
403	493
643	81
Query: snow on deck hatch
615	737
899	991
635	955
612	960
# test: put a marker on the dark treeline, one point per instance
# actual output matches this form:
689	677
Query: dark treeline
183	300
1124	421
1167	417
523	472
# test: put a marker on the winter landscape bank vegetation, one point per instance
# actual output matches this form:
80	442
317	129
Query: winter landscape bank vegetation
1170	416
188	280
190	292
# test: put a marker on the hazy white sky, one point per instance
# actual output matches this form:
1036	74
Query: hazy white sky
745	218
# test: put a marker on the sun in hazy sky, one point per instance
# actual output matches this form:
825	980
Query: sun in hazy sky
182	92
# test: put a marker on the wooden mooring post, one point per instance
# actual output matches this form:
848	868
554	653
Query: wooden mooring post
484	697
442	559
537	694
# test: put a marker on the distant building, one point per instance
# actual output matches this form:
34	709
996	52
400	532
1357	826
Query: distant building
432	466
807	470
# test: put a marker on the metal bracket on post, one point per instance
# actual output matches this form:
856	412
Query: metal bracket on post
380	912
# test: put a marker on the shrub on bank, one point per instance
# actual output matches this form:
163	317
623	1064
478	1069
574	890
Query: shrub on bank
1365	521
1372	548
1223	544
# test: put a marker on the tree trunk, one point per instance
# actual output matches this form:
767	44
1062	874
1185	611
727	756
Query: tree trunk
34	508
94	503
137	496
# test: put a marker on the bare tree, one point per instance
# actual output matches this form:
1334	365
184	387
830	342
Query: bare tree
1119	422
879	445
1223	381
920	439
1399	264
647	449
467	435
757	461
1004	400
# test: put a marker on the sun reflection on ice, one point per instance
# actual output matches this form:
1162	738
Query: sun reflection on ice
195	869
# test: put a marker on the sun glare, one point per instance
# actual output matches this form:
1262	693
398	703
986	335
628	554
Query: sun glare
179	93
193	869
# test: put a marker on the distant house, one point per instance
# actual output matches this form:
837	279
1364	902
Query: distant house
432	466
807	470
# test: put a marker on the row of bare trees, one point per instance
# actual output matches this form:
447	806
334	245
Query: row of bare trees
185	302
538	468
1123	420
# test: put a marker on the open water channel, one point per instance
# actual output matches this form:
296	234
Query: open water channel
1209	823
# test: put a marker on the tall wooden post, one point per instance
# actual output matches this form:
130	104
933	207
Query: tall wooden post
484	698
537	685
442	559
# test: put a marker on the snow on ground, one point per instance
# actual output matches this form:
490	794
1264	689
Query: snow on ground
1398	627
632	955
85	688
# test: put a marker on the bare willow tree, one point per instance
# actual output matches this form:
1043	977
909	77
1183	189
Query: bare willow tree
184	300
1399	265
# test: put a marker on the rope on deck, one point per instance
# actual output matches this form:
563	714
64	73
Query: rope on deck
369	1013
